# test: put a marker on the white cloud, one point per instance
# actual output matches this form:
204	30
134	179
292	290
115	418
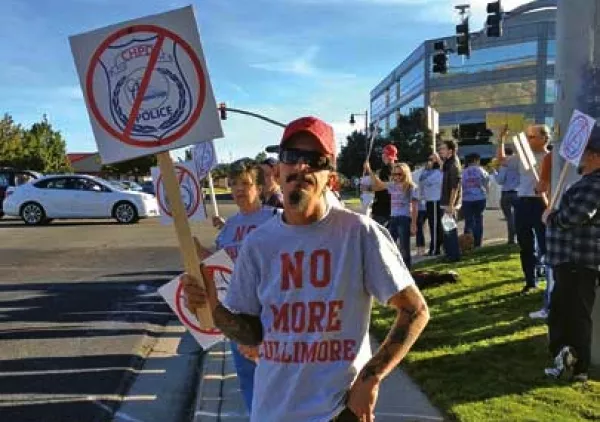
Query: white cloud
302	65
70	92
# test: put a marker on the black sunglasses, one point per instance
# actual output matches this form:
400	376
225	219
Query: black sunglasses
313	159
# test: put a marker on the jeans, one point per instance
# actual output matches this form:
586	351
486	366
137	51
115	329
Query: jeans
400	231
570	318
530	230
508	202
420	223
436	231
245	372
473	213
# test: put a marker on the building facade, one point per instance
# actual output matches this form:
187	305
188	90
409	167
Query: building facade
513	73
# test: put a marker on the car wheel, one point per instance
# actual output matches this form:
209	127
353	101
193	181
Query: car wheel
125	213
33	214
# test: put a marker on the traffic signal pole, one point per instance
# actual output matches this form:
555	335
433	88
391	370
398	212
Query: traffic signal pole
577	74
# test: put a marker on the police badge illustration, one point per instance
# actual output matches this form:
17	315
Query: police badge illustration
166	102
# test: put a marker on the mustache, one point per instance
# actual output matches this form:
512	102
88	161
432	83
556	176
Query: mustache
300	178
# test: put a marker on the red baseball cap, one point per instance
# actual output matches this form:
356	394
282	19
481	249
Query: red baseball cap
390	151
316	127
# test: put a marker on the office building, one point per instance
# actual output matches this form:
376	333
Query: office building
512	73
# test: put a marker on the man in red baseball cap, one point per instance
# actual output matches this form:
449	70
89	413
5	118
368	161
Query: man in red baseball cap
381	208
302	289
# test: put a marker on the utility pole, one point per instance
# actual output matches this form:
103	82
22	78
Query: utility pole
577	74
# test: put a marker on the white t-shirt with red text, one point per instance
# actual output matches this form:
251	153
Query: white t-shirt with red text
400	199
312	287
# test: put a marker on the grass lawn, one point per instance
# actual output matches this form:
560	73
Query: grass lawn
481	358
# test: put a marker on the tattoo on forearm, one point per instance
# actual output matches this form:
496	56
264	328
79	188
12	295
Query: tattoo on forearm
241	328
400	338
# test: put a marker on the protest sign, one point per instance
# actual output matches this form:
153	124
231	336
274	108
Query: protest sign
218	269
190	188
146	86
147	91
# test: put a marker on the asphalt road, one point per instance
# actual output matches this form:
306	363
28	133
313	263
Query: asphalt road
79	311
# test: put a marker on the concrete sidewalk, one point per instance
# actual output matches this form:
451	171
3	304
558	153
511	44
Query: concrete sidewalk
219	397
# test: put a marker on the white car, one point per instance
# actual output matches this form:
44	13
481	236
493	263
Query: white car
77	196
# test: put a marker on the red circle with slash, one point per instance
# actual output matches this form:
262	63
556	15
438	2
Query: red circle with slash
125	136
182	173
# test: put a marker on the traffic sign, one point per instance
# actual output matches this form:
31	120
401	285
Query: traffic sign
577	136
146	85
190	189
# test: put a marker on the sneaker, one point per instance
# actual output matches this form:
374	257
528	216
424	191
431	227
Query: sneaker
582	377
541	314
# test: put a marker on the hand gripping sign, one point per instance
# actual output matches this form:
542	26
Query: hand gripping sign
147	91
190	190
218	268
146	86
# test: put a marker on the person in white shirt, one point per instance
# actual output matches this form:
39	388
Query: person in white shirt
302	290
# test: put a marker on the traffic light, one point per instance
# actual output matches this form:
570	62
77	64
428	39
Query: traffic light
440	57
494	19
463	38
223	111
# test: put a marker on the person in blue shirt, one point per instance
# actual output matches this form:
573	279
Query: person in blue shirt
475	185
508	177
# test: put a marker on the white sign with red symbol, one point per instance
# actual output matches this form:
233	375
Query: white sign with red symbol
577	136
219	267
205	158
146	85
191	193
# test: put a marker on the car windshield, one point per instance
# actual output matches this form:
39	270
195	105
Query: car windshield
117	185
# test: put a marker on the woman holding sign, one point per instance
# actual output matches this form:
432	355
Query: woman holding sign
246	186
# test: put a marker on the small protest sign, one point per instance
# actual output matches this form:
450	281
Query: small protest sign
191	193
204	158
219	268
577	136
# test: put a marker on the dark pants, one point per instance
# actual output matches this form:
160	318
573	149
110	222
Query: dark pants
508	202
473	213
528	220
451	246
570	319
436	231
381	219
400	231
346	416
420	223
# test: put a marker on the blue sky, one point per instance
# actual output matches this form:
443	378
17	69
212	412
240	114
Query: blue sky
282	58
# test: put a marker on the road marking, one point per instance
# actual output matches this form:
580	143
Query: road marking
80	371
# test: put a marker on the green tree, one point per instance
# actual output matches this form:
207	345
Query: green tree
412	138
352	155
11	141
44	149
136	167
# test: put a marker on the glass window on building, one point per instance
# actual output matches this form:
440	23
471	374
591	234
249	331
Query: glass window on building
378	104
484	96
550	91
417	102
551	52
393	93
493	58
413	80
393	120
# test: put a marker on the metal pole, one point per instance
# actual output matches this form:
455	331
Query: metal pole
258	116
577	62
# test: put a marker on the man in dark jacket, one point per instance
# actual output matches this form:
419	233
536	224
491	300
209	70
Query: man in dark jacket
573	251
451	199
381	207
